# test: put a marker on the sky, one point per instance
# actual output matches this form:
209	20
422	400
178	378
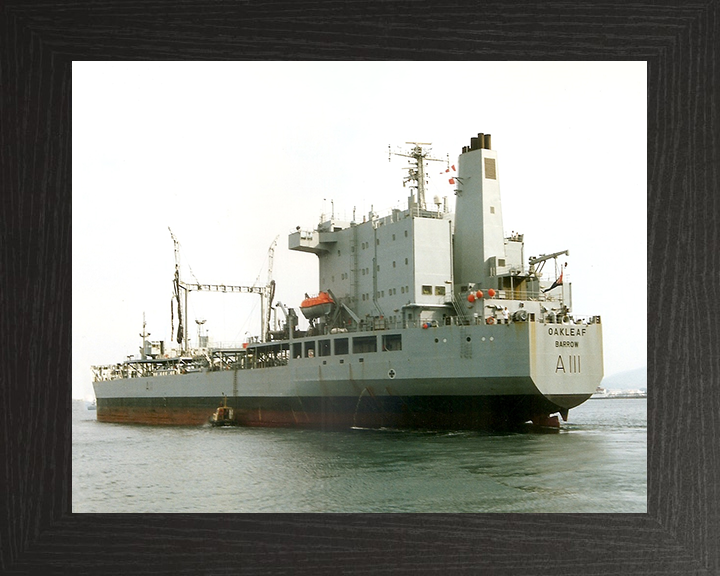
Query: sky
234	155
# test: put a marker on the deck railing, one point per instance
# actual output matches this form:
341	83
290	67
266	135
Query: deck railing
277	353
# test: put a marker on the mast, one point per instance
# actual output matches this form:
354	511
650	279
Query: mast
268	295
144	335
177	286
416	171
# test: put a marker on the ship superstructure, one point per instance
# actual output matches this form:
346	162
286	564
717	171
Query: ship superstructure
392	271
425	318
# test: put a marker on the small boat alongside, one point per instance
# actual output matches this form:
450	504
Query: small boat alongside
223	416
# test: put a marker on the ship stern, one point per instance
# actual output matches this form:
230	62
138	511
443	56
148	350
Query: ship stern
566	361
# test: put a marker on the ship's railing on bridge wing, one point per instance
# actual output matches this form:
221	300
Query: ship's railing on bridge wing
477	319
531	295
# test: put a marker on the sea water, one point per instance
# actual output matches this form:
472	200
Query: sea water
597	462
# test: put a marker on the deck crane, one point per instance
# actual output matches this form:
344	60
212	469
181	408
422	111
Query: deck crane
290	319
542	259
266	294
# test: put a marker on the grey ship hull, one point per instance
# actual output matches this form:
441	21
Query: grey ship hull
458	377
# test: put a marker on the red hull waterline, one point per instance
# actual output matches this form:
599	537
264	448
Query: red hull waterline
368	415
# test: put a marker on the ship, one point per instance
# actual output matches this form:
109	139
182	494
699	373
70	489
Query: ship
427	318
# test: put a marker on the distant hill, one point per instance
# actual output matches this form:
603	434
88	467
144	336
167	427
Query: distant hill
628	380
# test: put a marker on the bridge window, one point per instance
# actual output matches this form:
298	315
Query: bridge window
364	344
341	346
310	349
324	348
392	342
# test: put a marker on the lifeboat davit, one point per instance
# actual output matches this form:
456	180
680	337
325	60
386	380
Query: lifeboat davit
317	306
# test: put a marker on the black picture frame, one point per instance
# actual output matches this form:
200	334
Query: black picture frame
680	532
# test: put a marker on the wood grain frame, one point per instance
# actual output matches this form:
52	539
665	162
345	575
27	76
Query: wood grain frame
680	533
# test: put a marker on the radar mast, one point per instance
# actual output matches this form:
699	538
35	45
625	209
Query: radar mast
416	170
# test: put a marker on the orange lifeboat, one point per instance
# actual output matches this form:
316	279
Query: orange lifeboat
317	306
